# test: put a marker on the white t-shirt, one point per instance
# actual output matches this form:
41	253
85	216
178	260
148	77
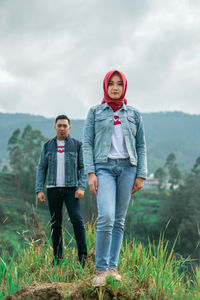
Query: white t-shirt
60	178
118	147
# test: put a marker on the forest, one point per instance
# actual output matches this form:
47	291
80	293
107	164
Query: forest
171	208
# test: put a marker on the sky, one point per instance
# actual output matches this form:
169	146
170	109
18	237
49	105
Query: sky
54	54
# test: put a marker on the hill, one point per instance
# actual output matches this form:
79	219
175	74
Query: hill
166	132
152	273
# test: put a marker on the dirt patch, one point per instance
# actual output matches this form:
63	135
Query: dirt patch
72	291
49	291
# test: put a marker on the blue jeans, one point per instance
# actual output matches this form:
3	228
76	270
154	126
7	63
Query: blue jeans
115	183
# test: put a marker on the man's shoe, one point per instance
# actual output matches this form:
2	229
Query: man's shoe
83	261
56	261
99	278
115	274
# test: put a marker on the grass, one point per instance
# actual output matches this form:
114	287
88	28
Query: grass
147	274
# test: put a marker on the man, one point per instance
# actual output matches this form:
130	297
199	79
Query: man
61	162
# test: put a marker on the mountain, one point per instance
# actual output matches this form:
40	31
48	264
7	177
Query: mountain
166	132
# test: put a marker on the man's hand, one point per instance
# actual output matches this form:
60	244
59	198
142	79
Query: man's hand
41	197
138	184
93	183
79	194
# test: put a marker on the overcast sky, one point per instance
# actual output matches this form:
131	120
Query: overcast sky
55	54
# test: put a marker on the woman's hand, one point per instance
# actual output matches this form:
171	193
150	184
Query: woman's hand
93	183
138	184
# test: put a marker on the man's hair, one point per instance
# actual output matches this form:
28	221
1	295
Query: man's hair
62	117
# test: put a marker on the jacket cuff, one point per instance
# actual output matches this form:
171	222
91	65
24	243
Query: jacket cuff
39	190
88	170
141	174
83	188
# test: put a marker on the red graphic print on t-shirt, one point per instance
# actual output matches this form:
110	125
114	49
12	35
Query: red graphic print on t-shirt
116	120
61	149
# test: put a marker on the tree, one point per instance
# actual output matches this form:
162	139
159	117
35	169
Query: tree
161	176
5	169
174	172
181	211
196	167
24	151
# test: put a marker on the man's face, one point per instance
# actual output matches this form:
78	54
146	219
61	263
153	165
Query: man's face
62	128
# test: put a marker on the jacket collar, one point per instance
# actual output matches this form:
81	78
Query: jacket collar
66	139
124	106
105	105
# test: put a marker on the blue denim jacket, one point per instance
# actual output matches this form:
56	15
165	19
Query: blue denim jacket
97	137
74	170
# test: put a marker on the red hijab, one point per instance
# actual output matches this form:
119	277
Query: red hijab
114	103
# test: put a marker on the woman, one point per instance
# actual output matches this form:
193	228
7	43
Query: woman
114	152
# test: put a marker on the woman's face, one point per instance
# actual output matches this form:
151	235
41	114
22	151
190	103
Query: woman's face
115	87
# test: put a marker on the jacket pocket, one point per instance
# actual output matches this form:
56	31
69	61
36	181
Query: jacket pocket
101	121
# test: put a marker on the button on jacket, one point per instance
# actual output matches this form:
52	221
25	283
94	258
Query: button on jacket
97	137
74	169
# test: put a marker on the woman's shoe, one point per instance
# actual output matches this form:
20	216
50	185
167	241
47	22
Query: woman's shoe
99	278
114	272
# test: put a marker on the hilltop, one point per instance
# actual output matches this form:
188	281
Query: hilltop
147	274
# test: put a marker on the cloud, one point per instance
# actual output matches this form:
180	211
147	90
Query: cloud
53	56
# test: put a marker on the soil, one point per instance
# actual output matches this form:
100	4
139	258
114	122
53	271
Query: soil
48	291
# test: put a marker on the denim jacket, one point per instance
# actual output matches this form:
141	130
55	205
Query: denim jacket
97	137
74	170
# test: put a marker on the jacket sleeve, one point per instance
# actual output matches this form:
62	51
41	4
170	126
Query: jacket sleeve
41	172
88	143
83	179
141	150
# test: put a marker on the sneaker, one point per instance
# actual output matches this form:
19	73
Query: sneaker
113	271
99	278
